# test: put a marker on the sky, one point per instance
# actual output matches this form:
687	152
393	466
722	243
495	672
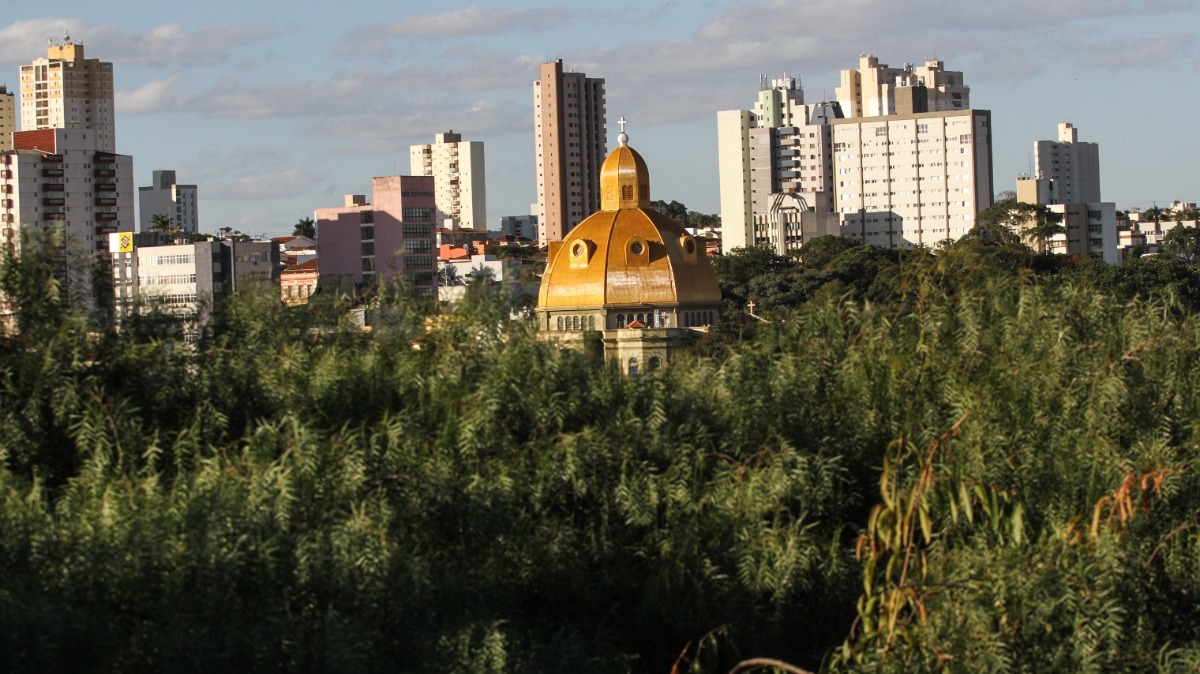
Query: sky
275	109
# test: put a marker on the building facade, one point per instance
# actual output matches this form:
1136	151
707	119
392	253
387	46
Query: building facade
520	226
570	144
775	169
8	118
65	90
912	180
161	271
875	90
166	197
390	238
56	186
885	166
1070	168
457	167
1068	182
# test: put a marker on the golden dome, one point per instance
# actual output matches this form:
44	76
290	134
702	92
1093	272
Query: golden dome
626	255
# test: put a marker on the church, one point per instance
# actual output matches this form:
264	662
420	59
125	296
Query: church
628	279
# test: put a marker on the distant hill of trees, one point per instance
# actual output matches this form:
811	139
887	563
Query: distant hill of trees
977	459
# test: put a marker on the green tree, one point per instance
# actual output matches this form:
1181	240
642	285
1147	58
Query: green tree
1182	243
161	222
305	227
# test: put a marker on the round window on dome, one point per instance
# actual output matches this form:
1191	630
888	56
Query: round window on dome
578	249
689	246
637	248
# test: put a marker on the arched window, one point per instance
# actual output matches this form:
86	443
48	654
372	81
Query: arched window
620	320
575	323
641	318
560	322
633	366
653	364
591	322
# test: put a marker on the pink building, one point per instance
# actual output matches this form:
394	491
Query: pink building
389	238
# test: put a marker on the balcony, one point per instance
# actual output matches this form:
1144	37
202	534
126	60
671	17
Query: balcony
54	187
106	187
104	173
105	158
53	201
53	217
106	217
56	172
6	174
52	159
105	201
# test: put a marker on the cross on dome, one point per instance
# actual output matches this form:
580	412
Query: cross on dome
622	138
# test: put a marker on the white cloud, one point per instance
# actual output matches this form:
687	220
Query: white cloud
466	22
155	96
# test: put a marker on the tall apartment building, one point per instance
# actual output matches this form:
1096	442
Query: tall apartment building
391	237
884	165
875	90
8	118
67	91
775	169
56	180
1067	180
458	174
62	173
1071	168
570	142
166	197
912	180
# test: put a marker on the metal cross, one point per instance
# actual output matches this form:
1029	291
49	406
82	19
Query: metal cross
621	122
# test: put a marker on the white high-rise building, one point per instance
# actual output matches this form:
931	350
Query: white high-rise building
67	91
1068	182
55	183
166	197
571	144
458	174
904	166
8	118
1071	167
912	180
775	174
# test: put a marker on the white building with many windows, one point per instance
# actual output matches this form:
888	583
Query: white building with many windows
900	162
457	167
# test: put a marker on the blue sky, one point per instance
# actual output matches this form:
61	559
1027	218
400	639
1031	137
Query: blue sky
275	109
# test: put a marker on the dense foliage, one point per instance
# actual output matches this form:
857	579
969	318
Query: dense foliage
954	463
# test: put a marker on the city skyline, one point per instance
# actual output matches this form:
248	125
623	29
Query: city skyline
273	118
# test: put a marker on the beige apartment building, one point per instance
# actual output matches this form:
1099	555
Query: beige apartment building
67	91
875	89
570	144
912	180
457	167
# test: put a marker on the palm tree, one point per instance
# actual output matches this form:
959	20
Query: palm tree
305	227
161	222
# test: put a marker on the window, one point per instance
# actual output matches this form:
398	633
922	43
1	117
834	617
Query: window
633	366
366	232
417	214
